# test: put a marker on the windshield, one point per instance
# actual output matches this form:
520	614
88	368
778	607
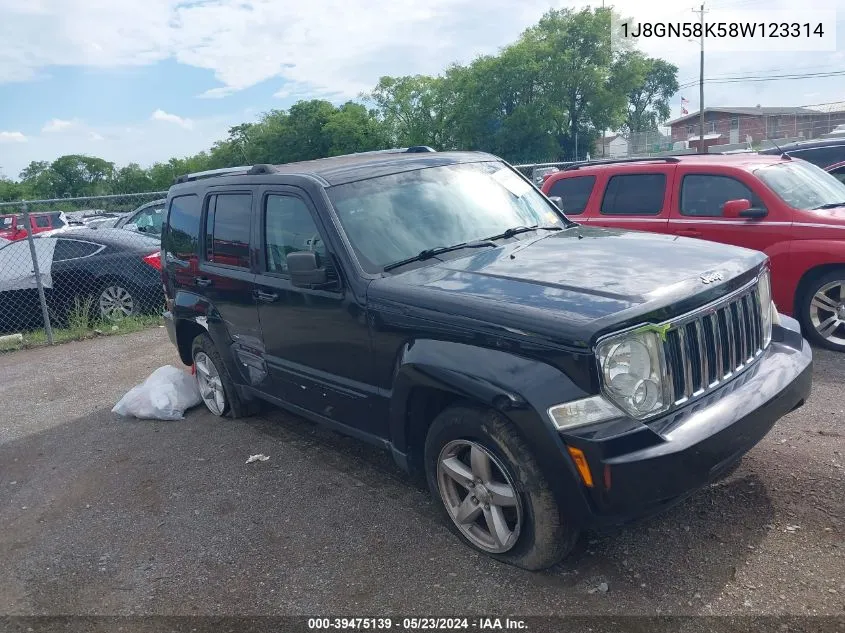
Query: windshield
7	221
391	218
802	185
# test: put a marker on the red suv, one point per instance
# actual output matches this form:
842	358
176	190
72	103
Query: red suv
788	208
12	226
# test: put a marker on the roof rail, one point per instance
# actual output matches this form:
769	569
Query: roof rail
419	149
613	161
245	170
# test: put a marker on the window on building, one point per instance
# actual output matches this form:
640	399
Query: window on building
735	123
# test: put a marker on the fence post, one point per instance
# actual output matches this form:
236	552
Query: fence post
41	297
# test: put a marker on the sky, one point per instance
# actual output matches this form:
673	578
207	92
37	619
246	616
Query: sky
145	80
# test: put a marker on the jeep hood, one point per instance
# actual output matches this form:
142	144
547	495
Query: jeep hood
569	287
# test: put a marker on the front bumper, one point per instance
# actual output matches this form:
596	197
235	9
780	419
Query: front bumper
642	470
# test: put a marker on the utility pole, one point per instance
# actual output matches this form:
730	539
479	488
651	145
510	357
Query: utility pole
701	148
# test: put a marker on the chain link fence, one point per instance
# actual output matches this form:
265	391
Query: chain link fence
79	262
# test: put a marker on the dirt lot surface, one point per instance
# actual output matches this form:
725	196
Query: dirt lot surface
100	515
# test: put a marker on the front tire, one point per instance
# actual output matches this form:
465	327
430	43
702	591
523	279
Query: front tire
822	312
217	390
492	491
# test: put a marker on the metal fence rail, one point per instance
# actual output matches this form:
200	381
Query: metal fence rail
79	262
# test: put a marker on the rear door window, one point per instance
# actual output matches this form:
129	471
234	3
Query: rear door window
704	195
227	229
634	194
181	239
575	192
42	221
74	249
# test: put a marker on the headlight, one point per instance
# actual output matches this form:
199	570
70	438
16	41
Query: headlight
768	311
634	374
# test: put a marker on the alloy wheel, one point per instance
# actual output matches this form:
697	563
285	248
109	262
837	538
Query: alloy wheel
479	496
827	312
210	385
116	302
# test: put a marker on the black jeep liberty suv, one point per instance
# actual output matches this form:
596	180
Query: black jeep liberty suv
544	376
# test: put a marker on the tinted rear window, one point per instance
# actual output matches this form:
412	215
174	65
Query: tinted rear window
228	225
634	194
575	192
74	249
182	235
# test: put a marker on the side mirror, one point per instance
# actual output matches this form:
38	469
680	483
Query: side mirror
304	269
742	209
558	201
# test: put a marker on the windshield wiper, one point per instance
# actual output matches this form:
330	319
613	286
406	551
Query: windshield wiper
516	230
829	205
433	252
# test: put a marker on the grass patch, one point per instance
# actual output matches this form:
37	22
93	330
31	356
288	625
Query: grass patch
81	326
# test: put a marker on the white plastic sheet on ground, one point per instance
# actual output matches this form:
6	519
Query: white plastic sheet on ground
165	395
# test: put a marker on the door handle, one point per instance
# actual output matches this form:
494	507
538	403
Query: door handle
268	297
688	233
203	282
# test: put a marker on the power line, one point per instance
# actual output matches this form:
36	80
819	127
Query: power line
762	71
758	78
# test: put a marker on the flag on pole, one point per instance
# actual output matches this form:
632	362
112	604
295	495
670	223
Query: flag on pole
684	104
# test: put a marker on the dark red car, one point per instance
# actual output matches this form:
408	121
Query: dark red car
12	226
787	208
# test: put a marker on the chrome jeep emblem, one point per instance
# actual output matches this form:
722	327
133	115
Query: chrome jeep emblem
709	278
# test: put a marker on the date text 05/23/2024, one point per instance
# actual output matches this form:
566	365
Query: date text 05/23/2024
417	624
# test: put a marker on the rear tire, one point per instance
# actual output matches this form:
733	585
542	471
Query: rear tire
492	491
822	311
218	392
116	300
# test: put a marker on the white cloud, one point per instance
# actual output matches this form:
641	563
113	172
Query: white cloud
12	137
57	125
337	49
161	115
342	48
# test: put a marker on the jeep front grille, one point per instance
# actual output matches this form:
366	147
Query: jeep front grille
710	346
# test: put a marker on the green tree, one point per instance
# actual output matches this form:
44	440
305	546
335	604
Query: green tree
352	128
413	109
131	179
11	190
584	82
32	171
656	81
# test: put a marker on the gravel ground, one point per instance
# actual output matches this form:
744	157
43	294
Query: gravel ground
106	516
